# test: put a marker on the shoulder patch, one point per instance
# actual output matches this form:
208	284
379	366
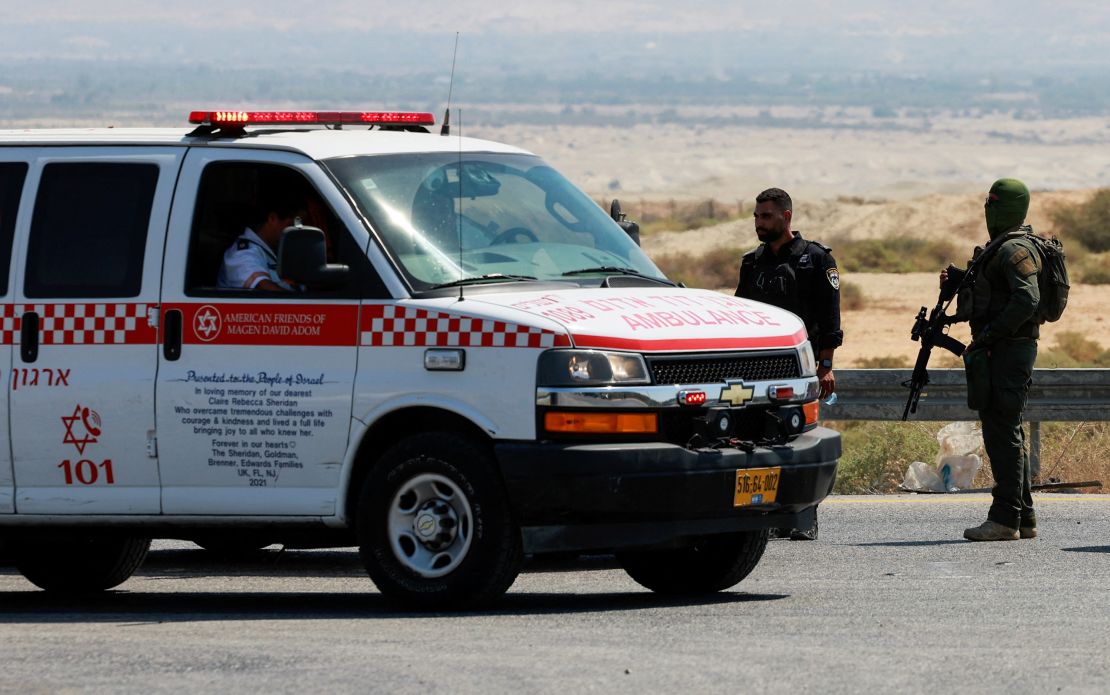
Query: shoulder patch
834	278
1023	262
242	244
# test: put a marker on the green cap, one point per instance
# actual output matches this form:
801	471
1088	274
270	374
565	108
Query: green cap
1006	206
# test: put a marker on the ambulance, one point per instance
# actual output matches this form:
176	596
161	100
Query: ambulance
468	364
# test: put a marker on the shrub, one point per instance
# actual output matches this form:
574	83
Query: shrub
883	362
715	270
877	454
896	254
1095	275
851	296
1088	223
678	216
1072	349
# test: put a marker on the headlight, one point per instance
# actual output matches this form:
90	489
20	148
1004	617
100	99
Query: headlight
592	368
805	358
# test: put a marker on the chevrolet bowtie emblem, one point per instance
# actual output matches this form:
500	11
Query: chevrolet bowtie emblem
736	394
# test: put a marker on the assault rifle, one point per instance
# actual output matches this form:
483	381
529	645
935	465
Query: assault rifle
931	330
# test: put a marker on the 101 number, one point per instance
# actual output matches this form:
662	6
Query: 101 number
86	472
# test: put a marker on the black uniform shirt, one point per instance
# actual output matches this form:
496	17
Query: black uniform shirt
802	278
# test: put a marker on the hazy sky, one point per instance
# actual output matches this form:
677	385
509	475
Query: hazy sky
1070	18
843	34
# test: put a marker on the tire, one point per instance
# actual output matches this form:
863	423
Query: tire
435	529
711	564
80	565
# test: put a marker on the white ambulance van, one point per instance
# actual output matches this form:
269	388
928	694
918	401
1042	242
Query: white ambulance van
448	356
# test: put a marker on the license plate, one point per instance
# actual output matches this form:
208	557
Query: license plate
756	486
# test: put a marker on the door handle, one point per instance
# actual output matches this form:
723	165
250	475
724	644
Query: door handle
171	335
29	337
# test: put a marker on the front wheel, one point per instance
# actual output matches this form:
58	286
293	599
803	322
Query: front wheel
711	564
80	565
434	524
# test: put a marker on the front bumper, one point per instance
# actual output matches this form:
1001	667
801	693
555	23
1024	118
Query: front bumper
609	496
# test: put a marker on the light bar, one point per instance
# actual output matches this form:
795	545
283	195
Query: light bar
245	118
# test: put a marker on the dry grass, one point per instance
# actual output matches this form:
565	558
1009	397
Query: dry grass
877	454
1075	451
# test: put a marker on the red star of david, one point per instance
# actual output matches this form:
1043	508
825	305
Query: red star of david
91	432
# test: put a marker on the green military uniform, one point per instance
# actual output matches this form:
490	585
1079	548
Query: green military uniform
1004	330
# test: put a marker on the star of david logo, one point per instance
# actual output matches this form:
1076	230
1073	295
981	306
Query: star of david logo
88	428
206	323
735	393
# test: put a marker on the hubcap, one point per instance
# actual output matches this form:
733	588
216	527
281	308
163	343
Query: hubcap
430	525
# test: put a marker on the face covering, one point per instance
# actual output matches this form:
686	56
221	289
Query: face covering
1006	206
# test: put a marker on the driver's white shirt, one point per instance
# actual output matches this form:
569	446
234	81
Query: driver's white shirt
249	261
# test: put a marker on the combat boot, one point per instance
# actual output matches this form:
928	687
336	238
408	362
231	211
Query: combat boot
991	531
1028	531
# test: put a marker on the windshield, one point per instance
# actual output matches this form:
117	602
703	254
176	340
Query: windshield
507	217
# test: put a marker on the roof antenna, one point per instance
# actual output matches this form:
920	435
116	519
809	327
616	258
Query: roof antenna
445	129
459	217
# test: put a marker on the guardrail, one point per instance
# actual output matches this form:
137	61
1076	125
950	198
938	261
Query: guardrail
1057	395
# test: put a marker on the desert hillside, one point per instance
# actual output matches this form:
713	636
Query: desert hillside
956	217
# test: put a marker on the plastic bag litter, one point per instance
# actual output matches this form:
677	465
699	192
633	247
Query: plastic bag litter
958	461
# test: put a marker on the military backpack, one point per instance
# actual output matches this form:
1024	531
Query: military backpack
1052	281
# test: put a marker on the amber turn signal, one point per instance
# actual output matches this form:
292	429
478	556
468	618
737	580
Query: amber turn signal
812	410
601	423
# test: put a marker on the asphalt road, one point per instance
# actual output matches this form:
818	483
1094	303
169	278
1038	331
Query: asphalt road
890	598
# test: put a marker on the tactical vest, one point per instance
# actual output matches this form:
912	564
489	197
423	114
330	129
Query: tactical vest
784	284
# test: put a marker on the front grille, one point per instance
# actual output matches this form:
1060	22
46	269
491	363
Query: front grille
709	369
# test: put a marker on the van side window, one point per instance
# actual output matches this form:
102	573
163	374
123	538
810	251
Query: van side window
12	175
235	204
88	232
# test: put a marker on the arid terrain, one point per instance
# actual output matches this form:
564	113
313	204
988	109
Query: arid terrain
837	153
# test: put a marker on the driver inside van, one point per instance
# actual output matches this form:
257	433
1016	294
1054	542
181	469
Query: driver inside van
251	261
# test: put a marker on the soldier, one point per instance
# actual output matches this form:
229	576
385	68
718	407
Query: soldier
999	361
798	275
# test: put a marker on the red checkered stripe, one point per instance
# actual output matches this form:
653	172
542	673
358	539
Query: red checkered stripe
82	324
400	326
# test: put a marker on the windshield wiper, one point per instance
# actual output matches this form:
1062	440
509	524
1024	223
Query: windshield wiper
617	270
483	278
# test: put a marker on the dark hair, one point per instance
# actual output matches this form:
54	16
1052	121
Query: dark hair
779	197
279	192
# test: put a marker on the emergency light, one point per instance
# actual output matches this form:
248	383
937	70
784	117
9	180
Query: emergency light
245	118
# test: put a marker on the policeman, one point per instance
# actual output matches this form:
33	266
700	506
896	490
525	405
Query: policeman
251	261
800	276
795	274
999	361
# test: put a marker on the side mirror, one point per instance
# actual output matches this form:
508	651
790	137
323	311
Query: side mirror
630	228
303	257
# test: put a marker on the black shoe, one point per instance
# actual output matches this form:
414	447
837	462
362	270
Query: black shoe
804	534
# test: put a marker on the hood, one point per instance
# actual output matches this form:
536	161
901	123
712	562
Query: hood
664	319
